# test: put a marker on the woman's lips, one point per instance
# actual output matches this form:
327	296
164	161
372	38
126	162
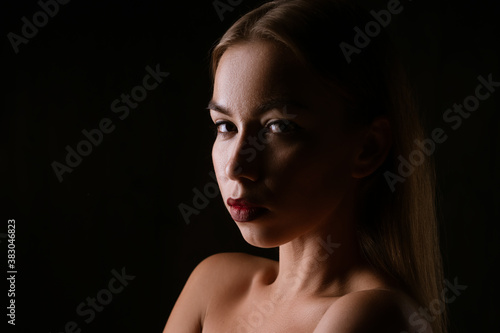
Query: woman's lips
243	211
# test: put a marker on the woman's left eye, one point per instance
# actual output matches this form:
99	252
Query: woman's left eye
282	126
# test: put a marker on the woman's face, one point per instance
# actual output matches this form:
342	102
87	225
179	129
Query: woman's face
283	156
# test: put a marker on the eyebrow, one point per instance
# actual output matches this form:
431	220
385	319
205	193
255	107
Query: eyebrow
270	104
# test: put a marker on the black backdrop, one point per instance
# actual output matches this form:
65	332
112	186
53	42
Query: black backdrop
117	212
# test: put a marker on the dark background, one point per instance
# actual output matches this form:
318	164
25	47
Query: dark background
119	207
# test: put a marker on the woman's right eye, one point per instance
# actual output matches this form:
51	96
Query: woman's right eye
225	127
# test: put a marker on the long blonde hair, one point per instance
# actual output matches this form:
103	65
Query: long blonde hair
398	231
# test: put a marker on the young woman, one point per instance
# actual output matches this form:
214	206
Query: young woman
306	157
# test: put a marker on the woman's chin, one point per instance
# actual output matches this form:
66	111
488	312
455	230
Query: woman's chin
261	237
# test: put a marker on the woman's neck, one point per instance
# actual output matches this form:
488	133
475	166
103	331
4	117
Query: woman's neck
324	262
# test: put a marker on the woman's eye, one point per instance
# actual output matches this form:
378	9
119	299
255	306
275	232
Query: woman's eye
225	127
282	126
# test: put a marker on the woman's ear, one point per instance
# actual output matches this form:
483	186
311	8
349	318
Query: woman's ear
375	146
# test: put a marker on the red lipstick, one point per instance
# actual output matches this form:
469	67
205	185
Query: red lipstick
244	211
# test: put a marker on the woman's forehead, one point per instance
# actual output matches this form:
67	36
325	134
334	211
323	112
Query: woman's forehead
258	65
253	72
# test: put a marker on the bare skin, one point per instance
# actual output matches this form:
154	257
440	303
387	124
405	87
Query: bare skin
305	171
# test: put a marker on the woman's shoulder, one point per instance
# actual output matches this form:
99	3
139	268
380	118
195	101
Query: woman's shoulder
373	310
215	279
224	267
225	258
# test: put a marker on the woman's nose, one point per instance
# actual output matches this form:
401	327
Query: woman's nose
243	161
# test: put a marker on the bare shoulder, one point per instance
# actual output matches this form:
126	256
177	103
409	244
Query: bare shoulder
235	262
374	310
218	275
232	273
222	268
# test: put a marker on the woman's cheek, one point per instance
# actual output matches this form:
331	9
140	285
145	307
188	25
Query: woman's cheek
217	159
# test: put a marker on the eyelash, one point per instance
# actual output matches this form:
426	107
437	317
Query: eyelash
287	123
